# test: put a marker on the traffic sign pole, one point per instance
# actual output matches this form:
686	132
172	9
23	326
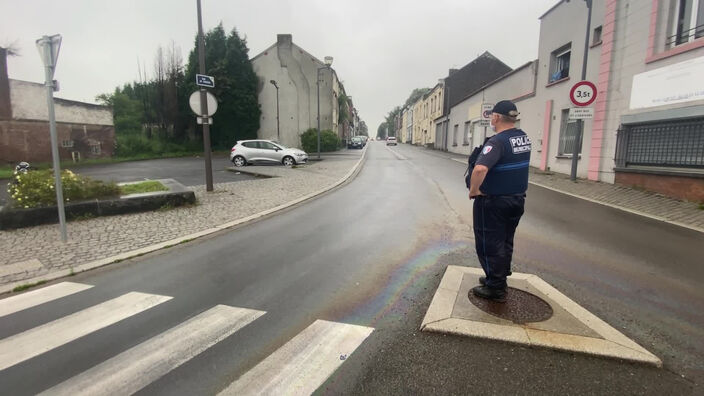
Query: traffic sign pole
204	107
580	123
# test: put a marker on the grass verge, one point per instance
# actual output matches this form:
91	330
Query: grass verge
143	187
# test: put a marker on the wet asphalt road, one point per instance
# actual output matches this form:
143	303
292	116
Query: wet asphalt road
372	253
189	171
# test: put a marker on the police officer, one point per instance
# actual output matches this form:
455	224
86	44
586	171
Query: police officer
498	185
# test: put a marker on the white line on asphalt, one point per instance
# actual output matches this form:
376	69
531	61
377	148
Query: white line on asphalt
301	365
141	365
30	299
38	340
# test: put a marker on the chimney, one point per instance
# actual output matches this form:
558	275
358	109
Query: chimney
284	40
5	105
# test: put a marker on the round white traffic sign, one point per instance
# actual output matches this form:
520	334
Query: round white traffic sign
583	93
194	102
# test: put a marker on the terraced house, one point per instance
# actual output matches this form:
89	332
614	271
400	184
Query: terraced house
646	59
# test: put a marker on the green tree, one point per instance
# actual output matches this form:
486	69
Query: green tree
415	95
227	60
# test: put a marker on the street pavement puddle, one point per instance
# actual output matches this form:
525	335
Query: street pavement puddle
524	319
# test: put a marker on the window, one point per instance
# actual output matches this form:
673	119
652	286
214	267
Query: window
687	22
560	63
466	136
67	143
95	148
568	135
666	143
454	135
596	36
250	144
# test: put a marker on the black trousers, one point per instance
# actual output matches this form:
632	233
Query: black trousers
495	221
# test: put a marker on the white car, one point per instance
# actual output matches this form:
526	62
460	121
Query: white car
265	151
390	140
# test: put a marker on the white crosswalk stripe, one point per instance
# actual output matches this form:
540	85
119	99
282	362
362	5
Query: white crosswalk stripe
139	366
33	342
301	365
40	296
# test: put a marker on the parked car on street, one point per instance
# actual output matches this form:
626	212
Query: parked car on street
391	140
247	152
364	139
355	142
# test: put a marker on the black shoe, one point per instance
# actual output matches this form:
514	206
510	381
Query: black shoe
482	280
497	295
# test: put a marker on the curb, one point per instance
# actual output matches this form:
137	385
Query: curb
632	211
187	238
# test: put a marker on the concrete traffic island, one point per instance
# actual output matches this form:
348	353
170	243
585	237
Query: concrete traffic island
535	314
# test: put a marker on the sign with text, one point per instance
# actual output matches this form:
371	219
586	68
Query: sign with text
677	83
583	93
205	81
486	113
581	113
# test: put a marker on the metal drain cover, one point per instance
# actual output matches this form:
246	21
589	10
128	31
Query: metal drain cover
520	307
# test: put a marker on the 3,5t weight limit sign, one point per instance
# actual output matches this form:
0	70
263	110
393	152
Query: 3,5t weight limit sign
583	93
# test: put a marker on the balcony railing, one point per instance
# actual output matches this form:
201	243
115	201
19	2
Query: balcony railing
685	36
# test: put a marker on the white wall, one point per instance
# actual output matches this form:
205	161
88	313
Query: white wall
295	71
29	103
512	87
566	23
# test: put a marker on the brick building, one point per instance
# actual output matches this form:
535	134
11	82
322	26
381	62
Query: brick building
84	130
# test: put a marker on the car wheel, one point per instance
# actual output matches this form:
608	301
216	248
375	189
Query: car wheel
239	161
288	161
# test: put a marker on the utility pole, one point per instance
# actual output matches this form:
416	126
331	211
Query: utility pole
204	106
580	122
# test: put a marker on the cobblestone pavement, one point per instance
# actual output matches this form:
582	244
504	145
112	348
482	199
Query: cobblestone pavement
646	202
642	202
34	251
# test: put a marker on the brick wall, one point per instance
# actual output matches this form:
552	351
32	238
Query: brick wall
29	141
682	187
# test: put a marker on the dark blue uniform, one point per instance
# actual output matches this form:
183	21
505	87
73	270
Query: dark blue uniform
498	211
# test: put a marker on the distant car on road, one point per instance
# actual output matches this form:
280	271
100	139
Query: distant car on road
247	152
355	142
391	140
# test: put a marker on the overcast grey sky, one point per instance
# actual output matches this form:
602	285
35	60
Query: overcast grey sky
382	48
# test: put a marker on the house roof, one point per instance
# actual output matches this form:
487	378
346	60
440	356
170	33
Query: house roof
551	8
477	73
294	45
490	83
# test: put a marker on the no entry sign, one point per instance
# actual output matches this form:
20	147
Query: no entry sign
583	93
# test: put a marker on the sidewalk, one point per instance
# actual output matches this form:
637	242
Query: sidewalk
644	203
38	251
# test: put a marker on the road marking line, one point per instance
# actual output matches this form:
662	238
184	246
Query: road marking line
304	363
143	364
40	296
34	342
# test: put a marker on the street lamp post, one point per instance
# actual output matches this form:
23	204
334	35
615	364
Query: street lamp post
328	63
278	133
49	50
580	122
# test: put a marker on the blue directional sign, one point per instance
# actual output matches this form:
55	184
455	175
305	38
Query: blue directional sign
205	81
